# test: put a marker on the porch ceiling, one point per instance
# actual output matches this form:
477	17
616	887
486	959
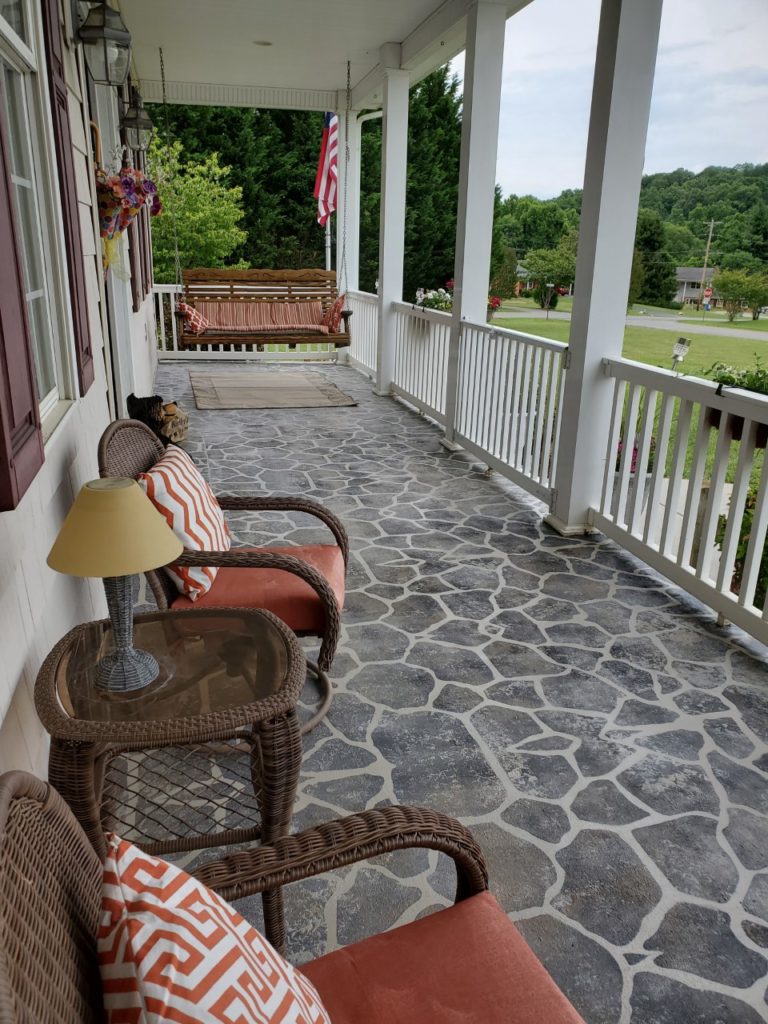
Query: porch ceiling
213	54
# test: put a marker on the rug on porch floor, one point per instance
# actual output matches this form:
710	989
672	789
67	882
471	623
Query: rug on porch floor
265	389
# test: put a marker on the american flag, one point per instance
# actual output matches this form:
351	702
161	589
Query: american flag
327	169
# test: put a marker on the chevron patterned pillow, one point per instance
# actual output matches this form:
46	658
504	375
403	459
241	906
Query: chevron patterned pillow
176	488
170	949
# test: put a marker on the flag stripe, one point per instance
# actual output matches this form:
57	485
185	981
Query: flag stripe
327	169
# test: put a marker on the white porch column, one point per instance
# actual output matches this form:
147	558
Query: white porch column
621	98
477	179
394	163
348	213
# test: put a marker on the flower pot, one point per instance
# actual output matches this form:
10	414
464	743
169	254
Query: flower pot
489	314
736	424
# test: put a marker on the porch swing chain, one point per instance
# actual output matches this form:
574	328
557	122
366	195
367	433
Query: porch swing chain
342	276
169	153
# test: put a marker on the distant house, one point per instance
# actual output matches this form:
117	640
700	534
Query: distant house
689	283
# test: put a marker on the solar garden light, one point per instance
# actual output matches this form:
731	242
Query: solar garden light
679	352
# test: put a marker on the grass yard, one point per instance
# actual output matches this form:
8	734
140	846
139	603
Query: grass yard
564	304
648	345
721	321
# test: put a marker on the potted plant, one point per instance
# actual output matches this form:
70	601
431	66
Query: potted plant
494	302
748	379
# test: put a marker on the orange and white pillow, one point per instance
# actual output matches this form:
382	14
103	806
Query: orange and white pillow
170	949
178	491
196	322
332	316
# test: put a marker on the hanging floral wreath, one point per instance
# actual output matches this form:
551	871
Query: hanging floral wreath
120	197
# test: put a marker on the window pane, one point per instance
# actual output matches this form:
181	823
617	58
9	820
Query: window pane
13	12
29	224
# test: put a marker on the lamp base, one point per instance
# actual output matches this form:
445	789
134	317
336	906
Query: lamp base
126	670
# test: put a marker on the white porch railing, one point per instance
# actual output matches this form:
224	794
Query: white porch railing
675	450
508	402
170	347
364	330
421	357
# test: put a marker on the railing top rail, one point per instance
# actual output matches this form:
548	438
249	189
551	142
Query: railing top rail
166	287
435	316
355	293
507	332
696	389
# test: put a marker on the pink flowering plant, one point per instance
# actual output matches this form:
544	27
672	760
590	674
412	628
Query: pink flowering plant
120	198
635	452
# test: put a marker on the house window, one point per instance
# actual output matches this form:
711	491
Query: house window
19	102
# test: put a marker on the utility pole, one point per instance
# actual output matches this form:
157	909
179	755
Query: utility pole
706	260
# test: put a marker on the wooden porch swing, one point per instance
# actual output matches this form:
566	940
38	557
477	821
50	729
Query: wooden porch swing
261	307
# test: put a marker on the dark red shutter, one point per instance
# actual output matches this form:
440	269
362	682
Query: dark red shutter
68	187
146	238
21	439
134	258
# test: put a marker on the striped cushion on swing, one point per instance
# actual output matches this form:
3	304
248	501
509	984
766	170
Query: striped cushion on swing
237	316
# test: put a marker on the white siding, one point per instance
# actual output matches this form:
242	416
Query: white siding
37	605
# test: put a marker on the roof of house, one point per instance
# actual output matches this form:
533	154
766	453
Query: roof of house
694	274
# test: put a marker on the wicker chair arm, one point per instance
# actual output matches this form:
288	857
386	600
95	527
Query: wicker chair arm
345	841
253	503
238	558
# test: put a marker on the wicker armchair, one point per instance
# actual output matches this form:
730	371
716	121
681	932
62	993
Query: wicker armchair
307	599
50	895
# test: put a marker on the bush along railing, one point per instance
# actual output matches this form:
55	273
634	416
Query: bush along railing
363	349
685	486
509	398
422	338
170	347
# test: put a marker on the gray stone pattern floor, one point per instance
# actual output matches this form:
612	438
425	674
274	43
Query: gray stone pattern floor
605	741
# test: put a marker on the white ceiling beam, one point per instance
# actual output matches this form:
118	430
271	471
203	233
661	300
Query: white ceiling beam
433	43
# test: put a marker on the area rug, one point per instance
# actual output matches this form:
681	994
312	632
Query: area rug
265	389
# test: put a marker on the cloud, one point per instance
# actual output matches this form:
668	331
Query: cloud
709	99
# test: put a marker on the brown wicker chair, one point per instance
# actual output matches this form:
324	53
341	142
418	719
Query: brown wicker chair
50	881
316	572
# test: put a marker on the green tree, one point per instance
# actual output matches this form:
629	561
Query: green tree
756	295
659	277
554	267
732	287
202	207
504	280
636	280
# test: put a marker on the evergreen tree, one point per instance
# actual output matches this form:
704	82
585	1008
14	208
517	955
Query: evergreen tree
659	277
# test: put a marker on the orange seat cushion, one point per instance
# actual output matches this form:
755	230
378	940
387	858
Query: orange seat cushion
280	592
465	964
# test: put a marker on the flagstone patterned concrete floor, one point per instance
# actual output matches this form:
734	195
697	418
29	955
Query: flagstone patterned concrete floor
606	742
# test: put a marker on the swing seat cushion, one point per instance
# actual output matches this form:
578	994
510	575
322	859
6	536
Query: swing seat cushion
261	317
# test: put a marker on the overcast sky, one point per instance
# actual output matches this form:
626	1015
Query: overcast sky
710	97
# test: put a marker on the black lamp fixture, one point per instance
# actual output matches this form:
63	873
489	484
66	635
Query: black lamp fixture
136	123
107	44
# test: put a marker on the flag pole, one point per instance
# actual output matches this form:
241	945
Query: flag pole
328	243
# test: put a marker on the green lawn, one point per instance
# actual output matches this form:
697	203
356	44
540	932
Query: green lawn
648	345
564	305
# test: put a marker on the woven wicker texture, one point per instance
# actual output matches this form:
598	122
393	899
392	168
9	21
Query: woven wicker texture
50	887
128	447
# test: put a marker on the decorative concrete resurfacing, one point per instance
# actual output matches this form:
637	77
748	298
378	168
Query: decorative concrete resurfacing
606	742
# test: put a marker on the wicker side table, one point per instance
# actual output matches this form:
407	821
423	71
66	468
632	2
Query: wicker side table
209	754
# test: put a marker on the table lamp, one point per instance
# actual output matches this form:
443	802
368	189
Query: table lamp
113	531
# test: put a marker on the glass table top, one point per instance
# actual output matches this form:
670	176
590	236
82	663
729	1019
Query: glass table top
209	662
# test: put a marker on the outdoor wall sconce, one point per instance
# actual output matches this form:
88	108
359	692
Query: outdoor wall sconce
107	45
137	124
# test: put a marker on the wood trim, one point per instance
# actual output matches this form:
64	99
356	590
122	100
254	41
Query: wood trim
21	436
70	213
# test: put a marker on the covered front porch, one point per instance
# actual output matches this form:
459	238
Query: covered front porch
604	739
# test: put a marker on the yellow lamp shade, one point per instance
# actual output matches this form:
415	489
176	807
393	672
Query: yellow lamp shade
113	529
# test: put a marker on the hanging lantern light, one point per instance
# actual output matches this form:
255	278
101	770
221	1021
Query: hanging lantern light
136	123
107	44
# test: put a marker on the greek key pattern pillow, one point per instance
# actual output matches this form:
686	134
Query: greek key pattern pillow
170	949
